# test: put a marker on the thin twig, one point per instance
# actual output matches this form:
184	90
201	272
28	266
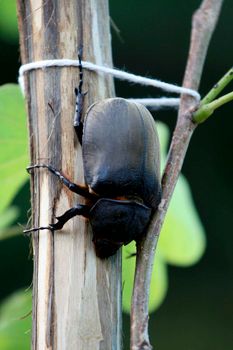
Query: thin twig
218	87
203	25
207	110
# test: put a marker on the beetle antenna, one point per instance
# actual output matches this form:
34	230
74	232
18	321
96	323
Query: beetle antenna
78	123
80	55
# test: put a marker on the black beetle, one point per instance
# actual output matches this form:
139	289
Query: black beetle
121	160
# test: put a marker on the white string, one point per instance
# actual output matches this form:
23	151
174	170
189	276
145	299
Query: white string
152	102
157	103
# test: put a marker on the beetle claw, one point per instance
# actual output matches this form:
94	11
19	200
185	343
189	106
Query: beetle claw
30	167
34	229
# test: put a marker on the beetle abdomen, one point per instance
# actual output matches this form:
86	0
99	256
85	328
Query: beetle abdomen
121	151
115	223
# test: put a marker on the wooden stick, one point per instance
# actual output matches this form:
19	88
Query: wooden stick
76	296
203	25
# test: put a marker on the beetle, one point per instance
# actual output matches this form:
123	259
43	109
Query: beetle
121	161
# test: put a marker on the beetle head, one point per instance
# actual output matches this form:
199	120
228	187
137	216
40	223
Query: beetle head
117	222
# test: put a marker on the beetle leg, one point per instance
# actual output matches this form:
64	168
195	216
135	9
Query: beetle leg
78	123
61	220
79	189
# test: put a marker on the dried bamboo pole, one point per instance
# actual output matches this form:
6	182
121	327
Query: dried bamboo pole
77	297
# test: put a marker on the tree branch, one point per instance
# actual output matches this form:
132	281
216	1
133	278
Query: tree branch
203	25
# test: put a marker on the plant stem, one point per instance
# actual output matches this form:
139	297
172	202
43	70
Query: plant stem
203	25
208	109
217	88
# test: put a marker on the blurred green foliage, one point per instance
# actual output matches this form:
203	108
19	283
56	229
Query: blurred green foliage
8	21
13	143
15	321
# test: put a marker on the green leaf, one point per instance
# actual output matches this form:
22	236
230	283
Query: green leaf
163	132
182	240
8	21
15	321
13	143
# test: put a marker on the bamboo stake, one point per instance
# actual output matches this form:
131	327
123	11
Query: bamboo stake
77	297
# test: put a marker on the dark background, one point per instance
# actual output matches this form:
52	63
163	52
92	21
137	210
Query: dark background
198	311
